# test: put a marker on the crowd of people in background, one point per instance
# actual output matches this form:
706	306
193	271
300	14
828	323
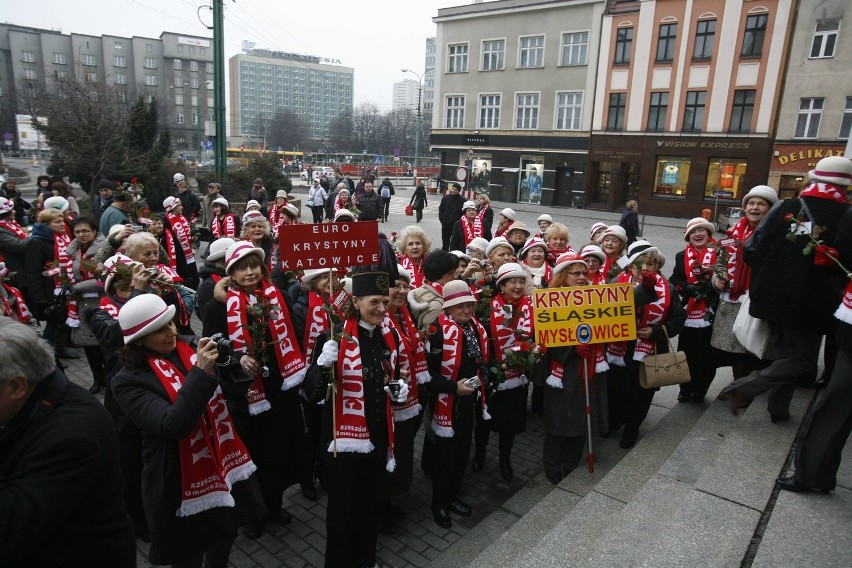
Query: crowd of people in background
326	376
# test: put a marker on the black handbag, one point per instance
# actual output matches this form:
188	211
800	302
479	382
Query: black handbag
56	310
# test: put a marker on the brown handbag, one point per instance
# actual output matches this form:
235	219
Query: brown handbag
663	369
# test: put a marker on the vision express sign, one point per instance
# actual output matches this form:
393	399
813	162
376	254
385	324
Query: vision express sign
584	314
328	245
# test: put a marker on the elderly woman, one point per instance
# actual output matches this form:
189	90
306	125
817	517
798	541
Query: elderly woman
468	227
544	221
252	313
168	389
277	209
256	231
504	220
659	317
517	236
557	238
596	233
439	268
733	284
364	364
565	426
343	201
458	356
692	276
414	247
613	244
485	214
533	257
595	258
630	220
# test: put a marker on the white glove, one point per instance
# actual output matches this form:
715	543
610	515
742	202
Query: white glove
328	357
403	393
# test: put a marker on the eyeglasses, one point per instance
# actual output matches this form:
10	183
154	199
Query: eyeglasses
577	273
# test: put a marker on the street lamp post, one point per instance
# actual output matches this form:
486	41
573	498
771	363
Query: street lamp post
417	122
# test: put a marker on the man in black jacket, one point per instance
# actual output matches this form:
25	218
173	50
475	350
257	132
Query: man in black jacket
370	204
60	484
450	211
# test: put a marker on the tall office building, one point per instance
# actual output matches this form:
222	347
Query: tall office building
405	95
428	97
265	82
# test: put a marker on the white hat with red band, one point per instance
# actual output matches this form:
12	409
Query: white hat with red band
240	250
143	315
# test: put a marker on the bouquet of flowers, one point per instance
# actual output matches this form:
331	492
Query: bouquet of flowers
523	356
262	311
824	255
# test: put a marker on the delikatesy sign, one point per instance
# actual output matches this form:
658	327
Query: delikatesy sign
328	245
584	314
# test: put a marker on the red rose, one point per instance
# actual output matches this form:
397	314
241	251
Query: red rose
432	329
788	216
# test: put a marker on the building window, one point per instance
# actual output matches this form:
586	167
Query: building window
810	112
59	58
672	176
457	58
846	121
531	51
178	81
208	67
178	64
118	45
657	110
193	65
148	48
122	96
195	119
526	115
825	38
615	116
180	48
569	110
575	48
60	74
693	112
179	99
119	61
755	30
623	45
28	56
705	37
179	118
91	77
30	74
151	80
193	82
150	63
194	100
209	102
666	43
493	53
455	112
149	99
120	79
489	111
724	178
742	110
89	60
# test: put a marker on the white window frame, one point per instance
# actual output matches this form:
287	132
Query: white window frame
494	119
89	60
119	61
193	100
809	114
177	64
179	99
195	119
150	63
28	56
846	121
120	79
458	119
193	65
90	77
148	48
500	55
151	80
459	60
193	82
583	48
522	51
557	108
179	118
534	111
824	36
30	74
178	81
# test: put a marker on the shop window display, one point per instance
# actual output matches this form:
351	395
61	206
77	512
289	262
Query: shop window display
672	177
725	177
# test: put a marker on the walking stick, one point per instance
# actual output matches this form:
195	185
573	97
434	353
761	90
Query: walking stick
591	458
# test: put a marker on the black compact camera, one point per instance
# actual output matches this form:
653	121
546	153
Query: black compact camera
225	348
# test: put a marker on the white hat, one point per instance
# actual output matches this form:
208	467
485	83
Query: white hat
252	216
344	214
112	261
56	202
615	231
508	213
143	315
518	226
461	255
597	227
497	242
170	202
544	217
282	193
478	243
115	229
344	190
762	191
238	251
221	201
468	205
403	273
6	205
218	248
593	250
312	274
179	177
698	223
252	203
834	169
638	248
456	292
533	242
566	259
292	209
511	270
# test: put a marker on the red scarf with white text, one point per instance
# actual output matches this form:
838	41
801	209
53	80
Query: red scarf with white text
416	270
14	306
823	190
224	226
183	233
650	314
507	320
316	322
168	242
739	273
14	228
695	263
471	230
413	358
844	311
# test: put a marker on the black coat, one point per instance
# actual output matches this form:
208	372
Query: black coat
487	222
13	249
418	198
60	484
371	206
191	204
39	253
204	294
450	209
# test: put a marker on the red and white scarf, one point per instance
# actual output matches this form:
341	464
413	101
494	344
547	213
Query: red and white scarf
480	215
65	261
650	314
844	311
823	190
224	226
110	305
471	230
739	273
594	362
14	228
14	306
695	263
183	233
212	456
351	433
596	277
316	322
416	270
168	243
502	230
415	361
451	357
508	320
291	363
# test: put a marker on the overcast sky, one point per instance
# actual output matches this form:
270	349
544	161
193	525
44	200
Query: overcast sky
377	38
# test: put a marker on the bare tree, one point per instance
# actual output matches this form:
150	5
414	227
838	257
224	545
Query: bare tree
286	130
366	127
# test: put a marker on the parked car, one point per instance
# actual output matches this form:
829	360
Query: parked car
729	217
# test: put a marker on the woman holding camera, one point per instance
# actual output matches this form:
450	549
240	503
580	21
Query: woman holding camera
267	368
197	479
365	366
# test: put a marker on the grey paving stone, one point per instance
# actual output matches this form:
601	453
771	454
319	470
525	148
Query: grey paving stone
463	552
844	474
534	490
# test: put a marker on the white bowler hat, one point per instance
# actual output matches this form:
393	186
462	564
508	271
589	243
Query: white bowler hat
240	250
508	213
518	226
461	255
6	205
638	248
698	223
292	209
478	243
615	231
597	227
252	203
497	242
221	201
110	263
533	242
312	274
143	315
834	169
567	259
456	292
544	217
170	202
762	191
403	273
252	216
593	250
219	247
56	202
344	215
511	270
468	205
179	177
281	193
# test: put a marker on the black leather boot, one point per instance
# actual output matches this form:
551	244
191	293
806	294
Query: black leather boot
506	467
